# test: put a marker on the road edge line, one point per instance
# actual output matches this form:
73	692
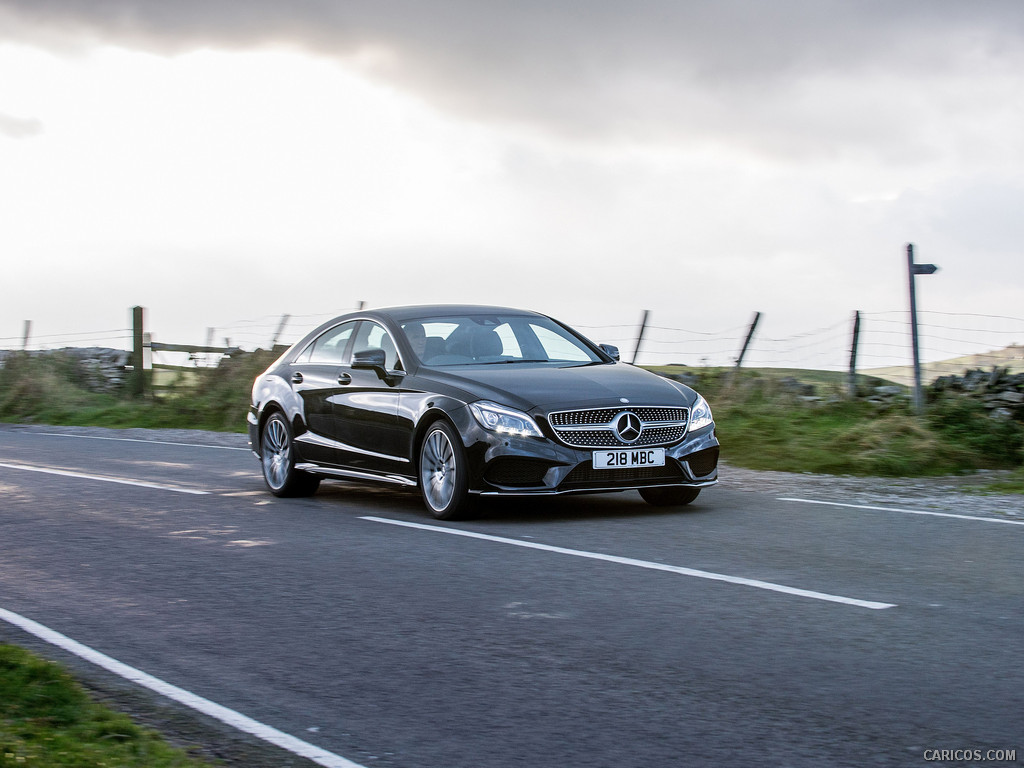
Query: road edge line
102	479
193	701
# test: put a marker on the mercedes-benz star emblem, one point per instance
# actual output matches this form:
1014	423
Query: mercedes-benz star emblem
627	427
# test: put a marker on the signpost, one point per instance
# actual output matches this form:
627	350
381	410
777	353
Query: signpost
914	270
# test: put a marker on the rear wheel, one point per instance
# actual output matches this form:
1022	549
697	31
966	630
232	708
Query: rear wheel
277	455
669	497
443	480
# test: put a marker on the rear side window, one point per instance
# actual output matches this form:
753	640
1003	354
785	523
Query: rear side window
329	347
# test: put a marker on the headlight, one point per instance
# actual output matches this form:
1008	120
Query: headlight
504	421
700	415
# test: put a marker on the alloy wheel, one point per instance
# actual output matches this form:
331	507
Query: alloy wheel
438	470
277	453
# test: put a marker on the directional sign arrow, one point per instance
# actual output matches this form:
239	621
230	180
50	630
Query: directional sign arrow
924	269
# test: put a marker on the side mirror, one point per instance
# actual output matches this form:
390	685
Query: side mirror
612	352
372	360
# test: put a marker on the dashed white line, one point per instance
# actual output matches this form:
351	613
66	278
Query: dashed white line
205	706
100	478
908	511
644	564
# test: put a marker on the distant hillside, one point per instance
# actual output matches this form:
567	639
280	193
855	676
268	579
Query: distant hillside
1012	357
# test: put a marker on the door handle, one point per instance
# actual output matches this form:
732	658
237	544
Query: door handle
296	378
344	378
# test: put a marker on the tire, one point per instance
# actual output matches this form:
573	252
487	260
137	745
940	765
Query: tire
678	496
277	457
443	470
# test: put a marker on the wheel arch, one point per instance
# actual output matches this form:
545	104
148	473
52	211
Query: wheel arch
427	420
269	409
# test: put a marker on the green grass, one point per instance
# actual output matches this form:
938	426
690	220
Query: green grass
48	721
853	438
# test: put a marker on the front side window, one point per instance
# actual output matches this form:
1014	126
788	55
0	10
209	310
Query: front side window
373	336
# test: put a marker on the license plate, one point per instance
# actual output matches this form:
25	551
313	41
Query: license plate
628	459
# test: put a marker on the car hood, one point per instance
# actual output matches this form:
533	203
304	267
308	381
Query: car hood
549	387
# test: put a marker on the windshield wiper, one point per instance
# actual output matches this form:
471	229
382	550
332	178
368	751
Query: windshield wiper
506	362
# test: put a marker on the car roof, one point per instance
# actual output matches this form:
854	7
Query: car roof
400	314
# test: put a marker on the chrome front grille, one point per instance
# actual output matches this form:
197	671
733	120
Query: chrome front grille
596	427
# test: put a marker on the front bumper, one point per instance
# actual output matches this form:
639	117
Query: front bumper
253	431
522	466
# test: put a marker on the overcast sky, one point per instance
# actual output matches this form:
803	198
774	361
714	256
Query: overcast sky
221	162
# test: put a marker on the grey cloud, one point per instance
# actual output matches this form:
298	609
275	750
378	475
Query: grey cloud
19	127
662	70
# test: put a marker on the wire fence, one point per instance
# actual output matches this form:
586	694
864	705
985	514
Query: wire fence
118	338
950	342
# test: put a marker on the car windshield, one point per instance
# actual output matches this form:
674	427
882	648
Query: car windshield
495	339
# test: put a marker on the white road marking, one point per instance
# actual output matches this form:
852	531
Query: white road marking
138	440
644	564
908	511
180	695
119	480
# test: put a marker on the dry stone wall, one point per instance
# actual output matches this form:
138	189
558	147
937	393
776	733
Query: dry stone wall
97	369
1001	392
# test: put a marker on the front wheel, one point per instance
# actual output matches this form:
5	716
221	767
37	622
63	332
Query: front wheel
443	480
669	497
277	456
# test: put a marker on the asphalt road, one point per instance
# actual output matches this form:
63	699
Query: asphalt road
585	631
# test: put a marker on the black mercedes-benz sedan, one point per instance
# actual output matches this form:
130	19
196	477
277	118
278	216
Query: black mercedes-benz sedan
470	401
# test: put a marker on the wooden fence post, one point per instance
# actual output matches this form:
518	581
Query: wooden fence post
853	355
640	335
137	382
279	331
750	335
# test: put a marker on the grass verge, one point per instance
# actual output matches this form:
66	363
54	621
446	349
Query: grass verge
48	721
